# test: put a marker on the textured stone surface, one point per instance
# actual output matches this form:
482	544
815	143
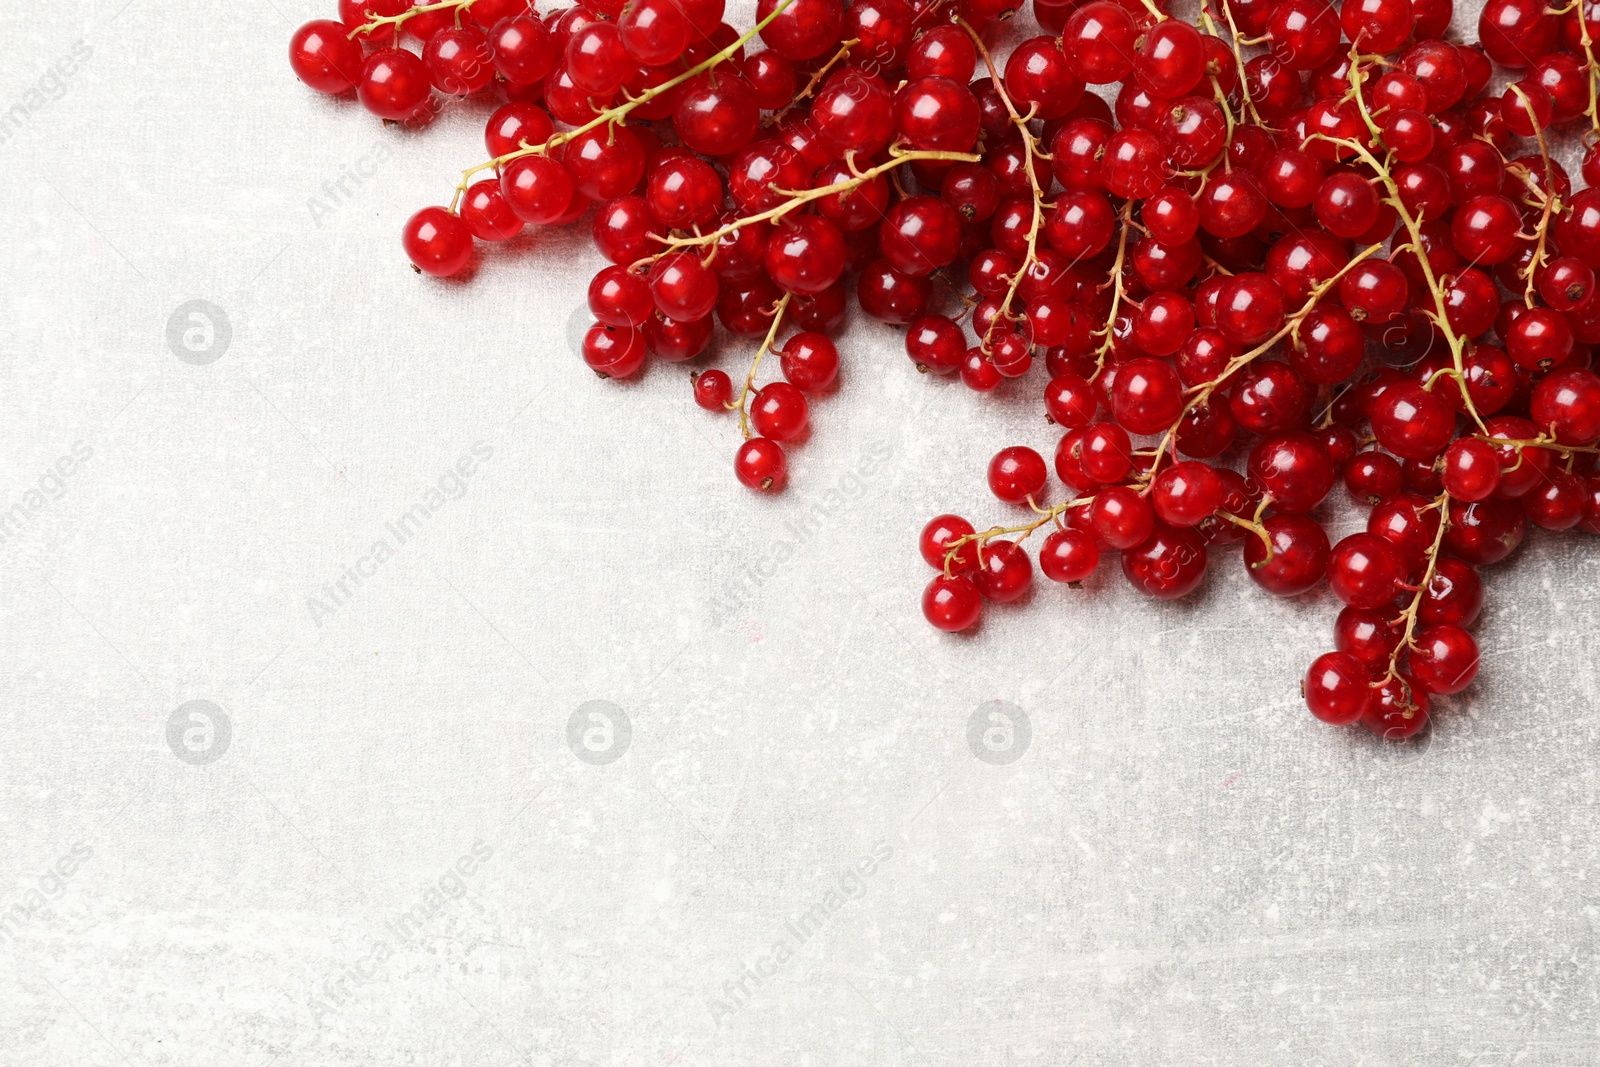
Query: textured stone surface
399	859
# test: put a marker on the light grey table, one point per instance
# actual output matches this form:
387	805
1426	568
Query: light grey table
252	816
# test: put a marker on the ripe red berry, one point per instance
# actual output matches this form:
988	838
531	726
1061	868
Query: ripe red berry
1337	688
324	57
437	242
761	465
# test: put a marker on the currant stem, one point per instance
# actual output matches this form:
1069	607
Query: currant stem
378	22
983	537
897	158
1203	391
1413	225
1409	615
1551	202
1238	59
742	403
615	114
816	80
1030	148
1118	293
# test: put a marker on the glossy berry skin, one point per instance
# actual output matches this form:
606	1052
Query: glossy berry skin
805	29
1471	470
1371	476
1567	403
1444	659
1364	571
713	390
323	56
1171	59
1486	532
1068	556
937	113
1250	308
1099	42
1293	468
1017	474
1337	688
523	49
1120	517
1399	708
1299	555
1269	396
952	604
806	254
486	213
761	465
437	242
1187	493
1485	229
613	352
619	297
716	116
683	288
1169	564
1004	572
892	297
779	411
394	85
919	235
1147	397
936	538
1374	292
854	112
459	60
1412	422
684	192
538	190
1406	521
1453	595
514	123
674	341
810	362
1039	77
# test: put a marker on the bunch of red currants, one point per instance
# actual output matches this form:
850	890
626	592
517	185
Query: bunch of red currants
1303	244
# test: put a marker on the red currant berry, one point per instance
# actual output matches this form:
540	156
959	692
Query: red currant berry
779	411
937	537
1365	571
713	390
810	362
486	213
612	351
1298	559
1069	555
323	56
1337	688
761	465
1004	572
1444	659
394	85
1168	565
437	242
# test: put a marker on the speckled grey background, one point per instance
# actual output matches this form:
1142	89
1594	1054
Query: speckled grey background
373	841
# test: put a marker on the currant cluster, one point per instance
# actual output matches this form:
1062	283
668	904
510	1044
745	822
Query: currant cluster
1311	247
1302	243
